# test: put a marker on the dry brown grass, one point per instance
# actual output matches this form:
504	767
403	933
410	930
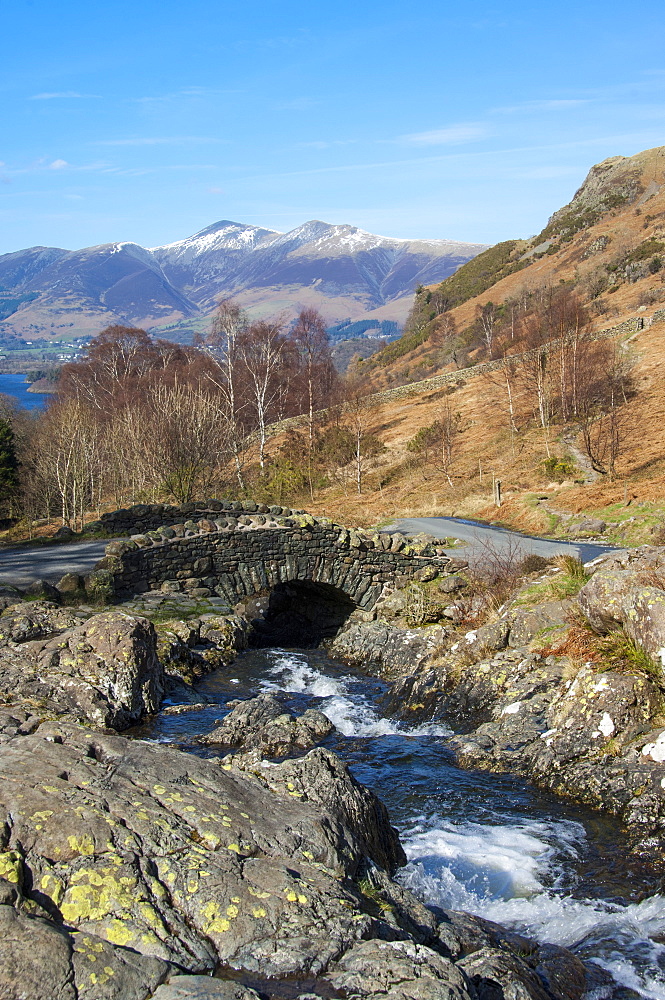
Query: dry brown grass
486	444
579	644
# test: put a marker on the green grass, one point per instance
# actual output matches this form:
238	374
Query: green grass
565	584
620	652
646	516
177	613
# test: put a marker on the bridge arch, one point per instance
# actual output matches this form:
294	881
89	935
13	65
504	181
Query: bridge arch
298	613
330	569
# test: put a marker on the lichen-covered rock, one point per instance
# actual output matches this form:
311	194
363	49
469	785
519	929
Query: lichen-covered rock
542	621
190	649
595	707
99	584
322	778
263	723
203	988
400	970
377	646
42	590
180	859
627	591
70	583
104	671
34	620
43	960
489	967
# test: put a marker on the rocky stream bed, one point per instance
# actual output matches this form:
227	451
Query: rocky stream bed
375	820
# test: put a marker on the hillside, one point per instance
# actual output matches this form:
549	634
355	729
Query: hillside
606	247
339	269
603	243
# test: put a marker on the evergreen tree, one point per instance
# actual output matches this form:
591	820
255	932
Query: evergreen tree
8	467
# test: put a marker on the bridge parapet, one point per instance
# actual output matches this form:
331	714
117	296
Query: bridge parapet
239	557
143	517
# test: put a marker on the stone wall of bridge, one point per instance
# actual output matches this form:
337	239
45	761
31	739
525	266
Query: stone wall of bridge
142	517
240	557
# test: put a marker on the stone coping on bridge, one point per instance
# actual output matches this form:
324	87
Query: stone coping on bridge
237	557
142	517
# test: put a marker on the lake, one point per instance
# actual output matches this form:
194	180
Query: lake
16	386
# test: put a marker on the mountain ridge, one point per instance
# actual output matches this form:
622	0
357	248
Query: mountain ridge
340	269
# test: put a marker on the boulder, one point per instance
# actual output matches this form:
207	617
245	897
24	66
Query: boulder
375	645
106	669
544	620
451	584
99	585
401	970
64	533
42	590
70	583
34	620
628	591
9	596
204	988
323	779
43	960
178	859
263	723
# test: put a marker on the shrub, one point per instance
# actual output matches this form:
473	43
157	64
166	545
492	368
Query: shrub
559	468
533	564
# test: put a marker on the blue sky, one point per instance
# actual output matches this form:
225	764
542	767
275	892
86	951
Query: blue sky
148	121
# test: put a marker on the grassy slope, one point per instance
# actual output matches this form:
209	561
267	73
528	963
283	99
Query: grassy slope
638	492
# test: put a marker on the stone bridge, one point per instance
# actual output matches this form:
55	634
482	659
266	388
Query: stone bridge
297	564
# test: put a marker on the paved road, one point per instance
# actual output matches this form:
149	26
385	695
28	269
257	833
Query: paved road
486	541
21	566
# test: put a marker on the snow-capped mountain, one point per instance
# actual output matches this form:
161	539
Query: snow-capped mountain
340	269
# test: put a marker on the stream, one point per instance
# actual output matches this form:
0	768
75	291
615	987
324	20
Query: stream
489	844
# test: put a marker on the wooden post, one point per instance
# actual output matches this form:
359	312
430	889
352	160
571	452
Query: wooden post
497	492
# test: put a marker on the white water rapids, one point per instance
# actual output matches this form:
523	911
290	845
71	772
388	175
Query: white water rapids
516	870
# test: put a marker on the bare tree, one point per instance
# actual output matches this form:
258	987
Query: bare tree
229	326
116	357
309	333
189	443
451	427
487	316
356	414
604	420
262	349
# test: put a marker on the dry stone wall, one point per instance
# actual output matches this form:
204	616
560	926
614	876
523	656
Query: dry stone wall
237	557
456	378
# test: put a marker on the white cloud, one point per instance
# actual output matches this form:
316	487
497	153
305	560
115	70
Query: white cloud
62	93
453	135
158	140
545	105
58	165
